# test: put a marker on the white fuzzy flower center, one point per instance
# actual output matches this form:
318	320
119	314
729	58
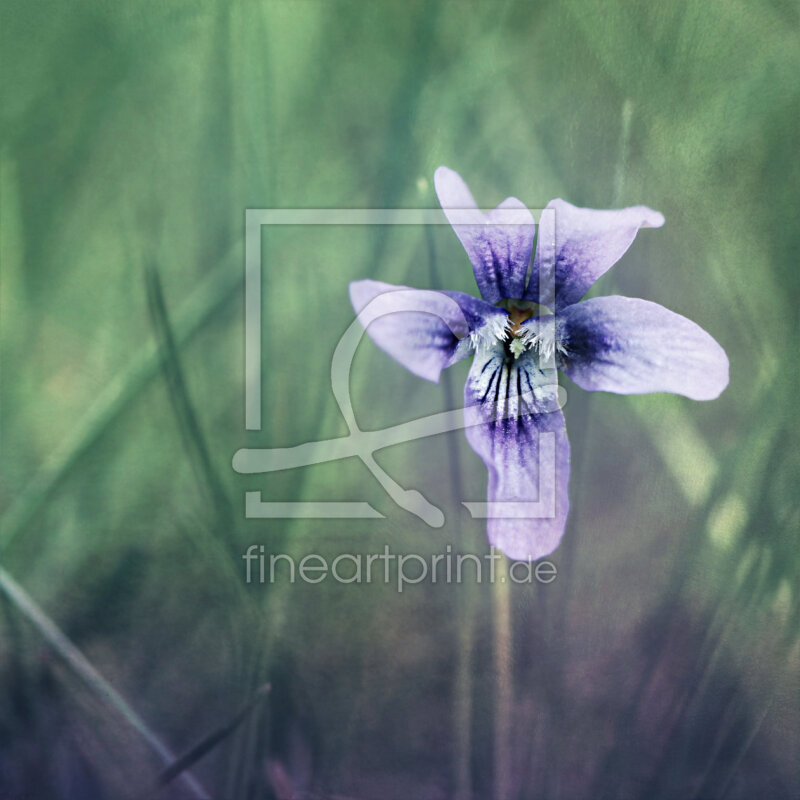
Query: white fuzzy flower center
515	336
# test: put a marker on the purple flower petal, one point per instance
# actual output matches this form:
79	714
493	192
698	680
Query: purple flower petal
581	244
631	346
515	425
424	330
499	244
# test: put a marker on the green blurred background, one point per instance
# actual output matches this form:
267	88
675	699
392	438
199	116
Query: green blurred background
662	662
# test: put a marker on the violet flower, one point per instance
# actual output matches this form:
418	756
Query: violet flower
612	344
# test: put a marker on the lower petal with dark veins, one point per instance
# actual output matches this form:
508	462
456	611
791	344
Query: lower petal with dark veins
515	425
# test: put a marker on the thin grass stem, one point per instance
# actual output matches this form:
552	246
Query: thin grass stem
117	396
83	669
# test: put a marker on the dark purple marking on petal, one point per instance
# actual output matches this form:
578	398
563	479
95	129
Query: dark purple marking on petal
631	346
580	245
499	244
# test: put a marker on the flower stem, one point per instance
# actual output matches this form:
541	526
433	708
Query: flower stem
503	686
462	718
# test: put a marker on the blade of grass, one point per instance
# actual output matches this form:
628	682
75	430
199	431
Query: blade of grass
465	606
83	669
208	743
183	407
118	394
624	146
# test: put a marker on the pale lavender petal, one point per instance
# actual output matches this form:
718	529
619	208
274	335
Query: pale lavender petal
424	330
499	244
515	425
631	346
581	244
